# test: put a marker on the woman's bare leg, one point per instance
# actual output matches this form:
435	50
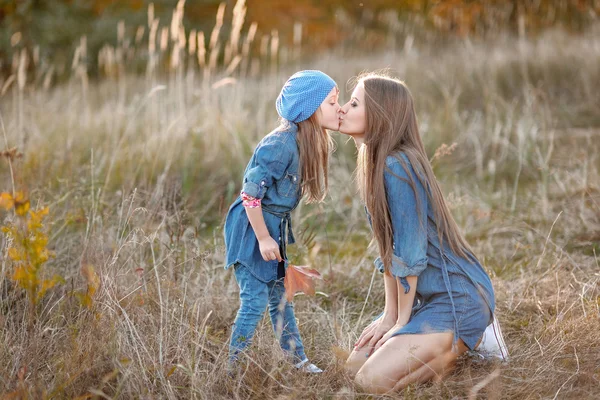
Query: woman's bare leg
355	361
425	373
406	359
430	371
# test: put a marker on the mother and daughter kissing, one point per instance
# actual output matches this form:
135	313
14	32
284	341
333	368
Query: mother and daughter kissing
439	300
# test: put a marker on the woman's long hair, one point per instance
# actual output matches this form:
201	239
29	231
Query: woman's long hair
315	145
391	127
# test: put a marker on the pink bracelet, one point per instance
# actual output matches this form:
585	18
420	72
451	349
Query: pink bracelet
249	201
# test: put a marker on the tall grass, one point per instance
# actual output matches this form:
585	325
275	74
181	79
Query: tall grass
138	170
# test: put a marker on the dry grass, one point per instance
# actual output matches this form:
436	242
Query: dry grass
138	173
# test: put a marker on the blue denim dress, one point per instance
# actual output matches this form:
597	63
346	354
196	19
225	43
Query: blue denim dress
272	175
457	293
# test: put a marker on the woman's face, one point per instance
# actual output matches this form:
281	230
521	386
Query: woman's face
352	114
329	111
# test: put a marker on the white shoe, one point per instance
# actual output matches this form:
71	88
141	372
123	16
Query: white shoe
305	366
492	343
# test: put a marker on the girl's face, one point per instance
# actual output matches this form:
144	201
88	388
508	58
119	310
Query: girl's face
329	111
352	114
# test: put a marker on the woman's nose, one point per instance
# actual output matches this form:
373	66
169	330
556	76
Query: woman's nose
341	110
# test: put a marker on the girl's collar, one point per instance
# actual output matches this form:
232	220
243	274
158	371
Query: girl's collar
289	126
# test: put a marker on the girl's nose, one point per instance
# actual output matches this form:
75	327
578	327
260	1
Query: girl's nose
341	110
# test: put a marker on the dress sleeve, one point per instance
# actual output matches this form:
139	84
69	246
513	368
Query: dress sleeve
408	212
249	201
269	163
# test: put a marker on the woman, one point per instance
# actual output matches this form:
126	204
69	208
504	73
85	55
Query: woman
421	249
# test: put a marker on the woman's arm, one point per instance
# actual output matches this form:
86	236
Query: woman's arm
375	331
404	307
392	300
405	299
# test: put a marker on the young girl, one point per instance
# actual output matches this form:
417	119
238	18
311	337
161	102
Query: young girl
421	250
287	164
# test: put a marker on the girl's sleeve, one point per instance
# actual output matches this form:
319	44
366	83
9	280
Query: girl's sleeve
409	221
249	201
270	162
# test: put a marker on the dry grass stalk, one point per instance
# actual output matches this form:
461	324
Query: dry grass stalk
246	47
239	16
274	51
150	14
139	34
192	43
152	38
214	36
164	39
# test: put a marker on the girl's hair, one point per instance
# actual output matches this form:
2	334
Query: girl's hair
315	145
391	127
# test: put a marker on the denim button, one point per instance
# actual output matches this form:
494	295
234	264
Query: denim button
262	183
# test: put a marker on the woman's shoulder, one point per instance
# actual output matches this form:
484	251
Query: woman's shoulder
400	165
395	160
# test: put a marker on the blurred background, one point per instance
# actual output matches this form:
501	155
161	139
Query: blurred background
125	128
50	31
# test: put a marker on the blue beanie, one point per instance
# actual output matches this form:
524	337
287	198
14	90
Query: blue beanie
302	95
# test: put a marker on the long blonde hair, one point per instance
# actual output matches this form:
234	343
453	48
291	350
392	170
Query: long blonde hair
315	145
391	127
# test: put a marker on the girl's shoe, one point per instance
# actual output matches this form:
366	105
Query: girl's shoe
306	366
492	343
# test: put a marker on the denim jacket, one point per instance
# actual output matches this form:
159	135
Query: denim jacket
416	244
272	175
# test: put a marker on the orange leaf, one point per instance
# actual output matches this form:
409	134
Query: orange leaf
299	278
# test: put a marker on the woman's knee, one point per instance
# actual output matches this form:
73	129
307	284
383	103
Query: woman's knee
355	362
372	381
395	367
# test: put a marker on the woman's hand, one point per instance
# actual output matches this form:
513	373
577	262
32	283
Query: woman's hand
387	335
269	249
373	333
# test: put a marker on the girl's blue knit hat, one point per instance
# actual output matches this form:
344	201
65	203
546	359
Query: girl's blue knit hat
302	95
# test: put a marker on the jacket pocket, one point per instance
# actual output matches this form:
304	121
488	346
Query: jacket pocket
289	185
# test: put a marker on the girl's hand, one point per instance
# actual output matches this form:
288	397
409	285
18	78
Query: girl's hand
373	333
388	335
269	249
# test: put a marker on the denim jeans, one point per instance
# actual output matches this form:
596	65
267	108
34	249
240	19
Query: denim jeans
255	296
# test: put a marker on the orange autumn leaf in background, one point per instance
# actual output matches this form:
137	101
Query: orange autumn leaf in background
299	278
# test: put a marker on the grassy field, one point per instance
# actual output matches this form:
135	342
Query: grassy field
138	172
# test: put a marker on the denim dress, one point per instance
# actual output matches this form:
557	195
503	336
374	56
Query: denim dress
273	176
457	293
